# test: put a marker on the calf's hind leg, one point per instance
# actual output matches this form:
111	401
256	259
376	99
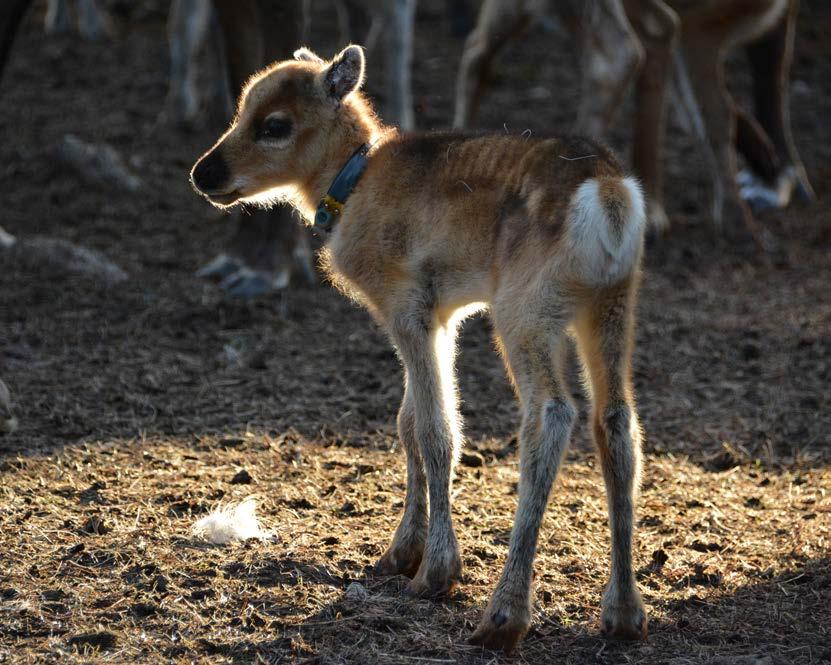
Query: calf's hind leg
604	331
533	359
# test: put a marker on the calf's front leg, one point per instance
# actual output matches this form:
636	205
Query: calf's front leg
404	554
427	349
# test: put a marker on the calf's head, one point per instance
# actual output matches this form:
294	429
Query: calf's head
289	120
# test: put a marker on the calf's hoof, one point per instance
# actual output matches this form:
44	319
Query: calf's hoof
400	561
625	620
502	626
435	580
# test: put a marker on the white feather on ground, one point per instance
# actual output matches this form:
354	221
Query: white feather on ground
231	522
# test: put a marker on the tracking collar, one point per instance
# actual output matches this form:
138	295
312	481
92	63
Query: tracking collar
331	205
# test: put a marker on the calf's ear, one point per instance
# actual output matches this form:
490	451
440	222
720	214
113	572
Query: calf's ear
345	73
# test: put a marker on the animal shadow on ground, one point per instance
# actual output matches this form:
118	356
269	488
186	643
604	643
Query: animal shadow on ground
370	621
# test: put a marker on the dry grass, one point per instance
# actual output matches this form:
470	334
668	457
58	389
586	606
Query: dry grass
98	556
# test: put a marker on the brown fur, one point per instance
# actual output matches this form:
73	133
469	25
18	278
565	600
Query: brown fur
545	231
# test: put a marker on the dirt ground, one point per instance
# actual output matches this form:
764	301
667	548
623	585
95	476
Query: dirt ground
140	404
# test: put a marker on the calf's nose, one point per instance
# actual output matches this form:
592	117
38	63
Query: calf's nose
210	174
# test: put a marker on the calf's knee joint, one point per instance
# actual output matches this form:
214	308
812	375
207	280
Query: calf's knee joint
559	415
617	420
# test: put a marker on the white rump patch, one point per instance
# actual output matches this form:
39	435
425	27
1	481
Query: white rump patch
602	255
231	522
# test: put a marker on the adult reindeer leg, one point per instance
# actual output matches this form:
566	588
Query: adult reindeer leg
657	27
756	147
770	60
394	20
611	55
58	19
196	96
398	56
499	22
708	32
11	14
266	241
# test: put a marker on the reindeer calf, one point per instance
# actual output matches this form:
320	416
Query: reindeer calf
426	228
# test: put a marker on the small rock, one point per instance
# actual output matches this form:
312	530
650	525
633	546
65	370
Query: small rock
356	592
242	478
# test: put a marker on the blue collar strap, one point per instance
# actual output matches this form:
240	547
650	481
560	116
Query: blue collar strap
330	207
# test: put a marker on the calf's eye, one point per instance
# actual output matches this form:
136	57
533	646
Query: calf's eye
274	127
